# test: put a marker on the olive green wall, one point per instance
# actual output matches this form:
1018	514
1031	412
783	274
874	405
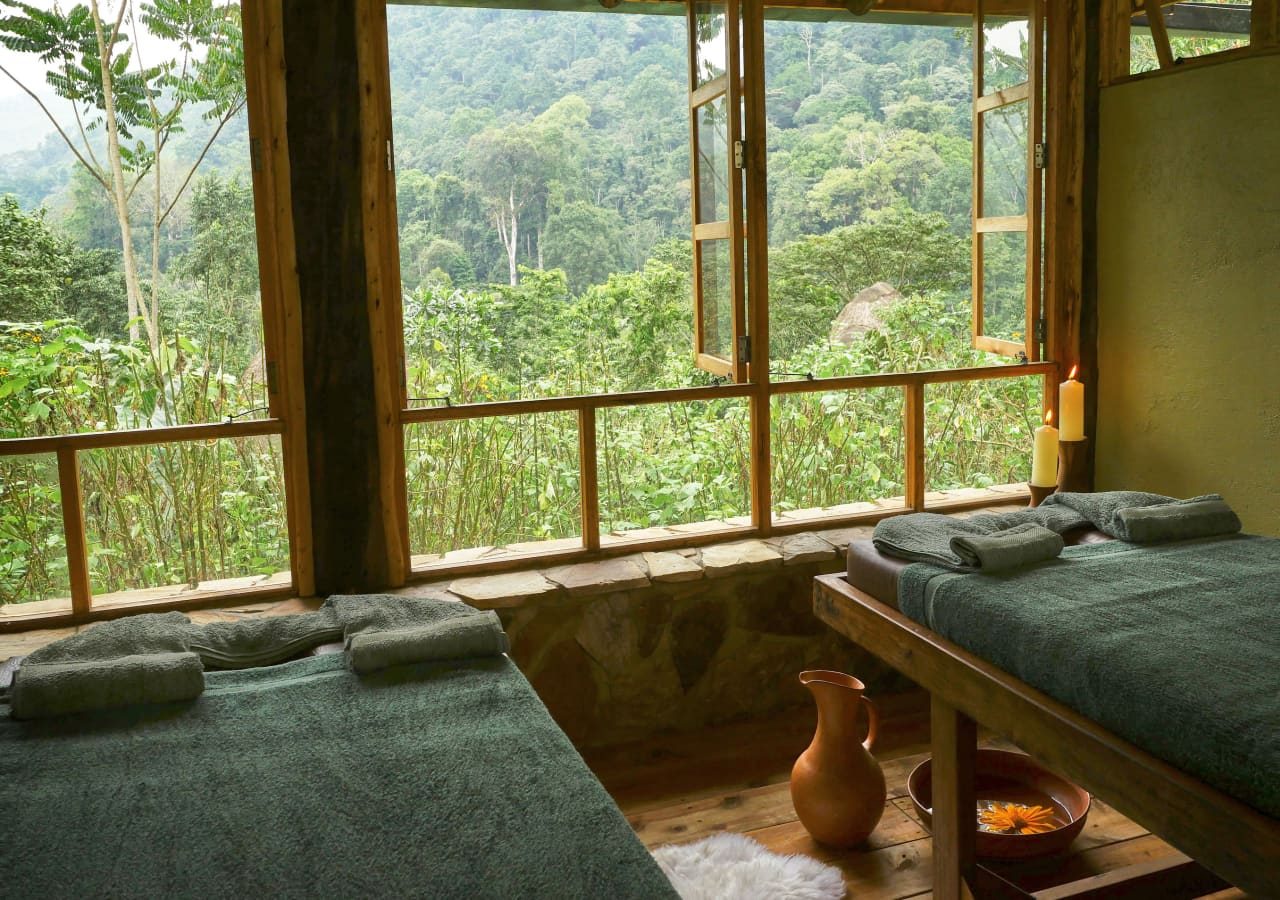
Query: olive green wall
1189	286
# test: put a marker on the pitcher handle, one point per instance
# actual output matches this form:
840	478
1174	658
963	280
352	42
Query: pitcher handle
873	722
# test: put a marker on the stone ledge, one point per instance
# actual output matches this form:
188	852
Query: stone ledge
637	571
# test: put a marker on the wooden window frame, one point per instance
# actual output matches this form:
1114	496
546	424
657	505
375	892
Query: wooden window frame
1030	221
1116	26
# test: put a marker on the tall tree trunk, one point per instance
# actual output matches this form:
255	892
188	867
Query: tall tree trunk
119	194
513	246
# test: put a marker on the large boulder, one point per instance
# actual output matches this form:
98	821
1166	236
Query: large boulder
861	314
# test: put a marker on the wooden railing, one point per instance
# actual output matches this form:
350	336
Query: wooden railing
586	406
67	447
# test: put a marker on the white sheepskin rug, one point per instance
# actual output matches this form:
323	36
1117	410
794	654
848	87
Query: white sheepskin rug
733	867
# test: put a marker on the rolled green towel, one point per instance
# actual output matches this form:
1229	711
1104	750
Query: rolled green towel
1009	549
461	638
43	690
1184	520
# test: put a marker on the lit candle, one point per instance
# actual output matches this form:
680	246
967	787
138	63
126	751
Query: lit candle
1071	407
1044	456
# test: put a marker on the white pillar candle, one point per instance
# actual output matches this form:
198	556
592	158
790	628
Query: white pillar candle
1071	407
1044	455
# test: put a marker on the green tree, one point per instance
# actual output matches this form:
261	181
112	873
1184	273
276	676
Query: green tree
585	241
93	60
34	265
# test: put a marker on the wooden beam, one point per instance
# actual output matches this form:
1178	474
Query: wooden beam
757	217
73	530
138	437
1265	24
1069	93
588	479
913	428
382	275
1113	28
1167	878
352	546
277	268
1159	33
954	737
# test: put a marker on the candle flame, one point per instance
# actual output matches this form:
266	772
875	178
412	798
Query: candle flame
1048	417
1074	370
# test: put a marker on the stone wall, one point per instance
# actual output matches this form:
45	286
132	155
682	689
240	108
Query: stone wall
628	647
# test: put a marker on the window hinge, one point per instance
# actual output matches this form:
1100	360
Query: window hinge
1042	155
1040	331
739	154
744	348
391	166
255	154
273	384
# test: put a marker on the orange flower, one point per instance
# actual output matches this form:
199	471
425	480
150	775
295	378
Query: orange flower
1013	818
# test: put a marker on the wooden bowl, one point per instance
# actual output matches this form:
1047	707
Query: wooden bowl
1008	777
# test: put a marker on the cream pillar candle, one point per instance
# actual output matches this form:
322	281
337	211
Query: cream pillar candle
1071	407
1044	454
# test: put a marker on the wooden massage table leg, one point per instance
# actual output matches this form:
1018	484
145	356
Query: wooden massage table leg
955	742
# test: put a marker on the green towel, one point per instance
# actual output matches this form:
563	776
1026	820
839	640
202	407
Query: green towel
386	612
43	690
462	637
131	636
1185	520
263	641
1009	549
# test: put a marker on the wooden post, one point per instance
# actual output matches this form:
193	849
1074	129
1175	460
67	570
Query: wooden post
352	535
73	530
913	429
955	744
277	266
1159	33
757	215
1265	24
588	481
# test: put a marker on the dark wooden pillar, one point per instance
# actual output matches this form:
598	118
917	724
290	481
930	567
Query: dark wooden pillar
323	101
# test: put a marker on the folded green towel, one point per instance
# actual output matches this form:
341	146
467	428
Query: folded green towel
130	636
463	637
1184	520
1009	549
43	690
385	612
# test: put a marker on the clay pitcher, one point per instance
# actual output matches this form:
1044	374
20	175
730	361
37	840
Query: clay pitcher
837	787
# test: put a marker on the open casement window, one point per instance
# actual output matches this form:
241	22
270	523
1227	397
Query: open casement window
1008	159
715	134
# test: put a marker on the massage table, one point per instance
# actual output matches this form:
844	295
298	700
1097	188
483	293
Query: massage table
1230	839
439	779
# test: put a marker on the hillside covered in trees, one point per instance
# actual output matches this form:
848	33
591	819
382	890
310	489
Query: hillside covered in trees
543	188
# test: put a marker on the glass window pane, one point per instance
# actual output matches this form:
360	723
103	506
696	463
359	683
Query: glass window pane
978	434
33	553
479	484
681	464
1199	29
717	299
1004	160
713	161
1004	295
711	52
184	516
837	452
1005	59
